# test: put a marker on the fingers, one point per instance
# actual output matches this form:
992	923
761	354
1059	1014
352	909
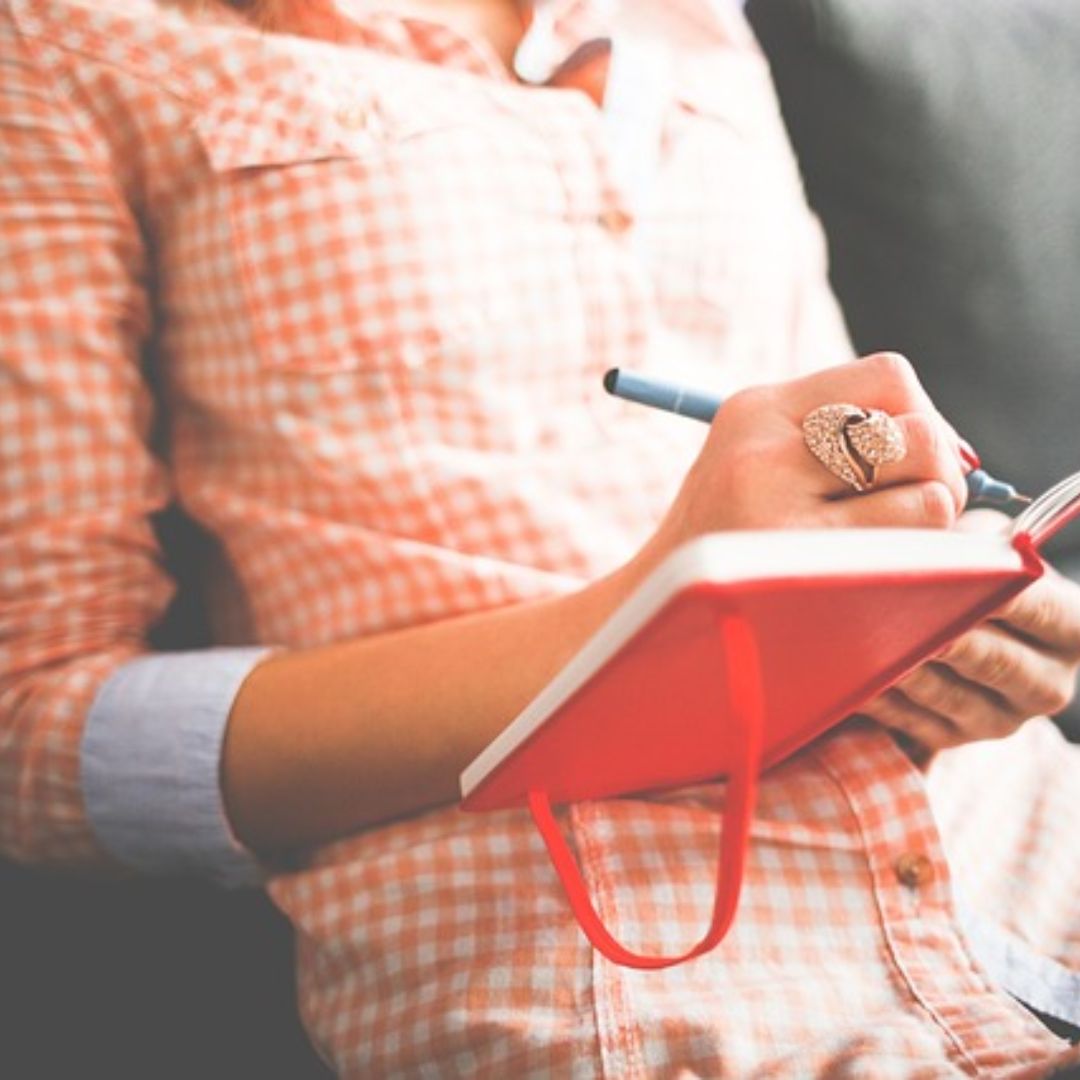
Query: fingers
931	456
884	380
756	470
1027	680
989	681
927	729
974	710
937	709
1046	614
928	505
887	381
929	460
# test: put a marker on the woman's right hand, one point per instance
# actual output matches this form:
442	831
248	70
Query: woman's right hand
756	472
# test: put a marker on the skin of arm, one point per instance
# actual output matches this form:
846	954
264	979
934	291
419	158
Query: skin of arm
326	740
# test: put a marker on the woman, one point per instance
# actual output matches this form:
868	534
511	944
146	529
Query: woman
339	280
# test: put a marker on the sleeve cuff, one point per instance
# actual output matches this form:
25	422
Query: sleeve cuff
151	763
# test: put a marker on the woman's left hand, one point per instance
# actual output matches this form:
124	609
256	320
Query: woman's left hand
1022	662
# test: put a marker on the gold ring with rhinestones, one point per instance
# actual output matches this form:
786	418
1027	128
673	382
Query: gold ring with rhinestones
853	443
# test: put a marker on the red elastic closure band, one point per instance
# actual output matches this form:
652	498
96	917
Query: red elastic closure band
744	707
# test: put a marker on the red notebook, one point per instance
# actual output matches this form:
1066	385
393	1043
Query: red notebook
735	652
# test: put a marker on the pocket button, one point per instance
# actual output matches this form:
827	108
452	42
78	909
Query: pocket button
615	220
354	117
913	869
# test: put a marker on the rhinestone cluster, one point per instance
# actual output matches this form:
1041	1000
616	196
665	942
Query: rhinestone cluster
852	442
878	439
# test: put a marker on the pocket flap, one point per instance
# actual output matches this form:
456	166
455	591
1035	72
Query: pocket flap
735	94
243	132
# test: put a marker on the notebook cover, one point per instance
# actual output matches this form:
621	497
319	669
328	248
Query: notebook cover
653	715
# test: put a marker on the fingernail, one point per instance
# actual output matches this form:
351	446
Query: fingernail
967	452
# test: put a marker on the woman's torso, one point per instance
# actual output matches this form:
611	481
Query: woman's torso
387	281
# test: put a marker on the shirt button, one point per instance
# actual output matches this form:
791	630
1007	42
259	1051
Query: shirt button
913	869
615	220
353	117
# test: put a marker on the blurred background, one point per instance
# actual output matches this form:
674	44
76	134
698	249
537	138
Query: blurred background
940	145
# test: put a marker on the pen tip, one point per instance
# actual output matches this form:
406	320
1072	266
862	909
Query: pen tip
611	377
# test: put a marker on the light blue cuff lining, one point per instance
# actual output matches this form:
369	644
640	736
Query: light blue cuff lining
151	763
1036	980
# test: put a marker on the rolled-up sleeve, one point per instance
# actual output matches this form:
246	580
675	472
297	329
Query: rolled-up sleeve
151	758
82	578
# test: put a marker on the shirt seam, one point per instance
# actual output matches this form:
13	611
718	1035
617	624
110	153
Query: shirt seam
897	963
33	46
171	82
605	973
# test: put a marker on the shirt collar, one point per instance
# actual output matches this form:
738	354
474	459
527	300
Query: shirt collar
428	40
572	23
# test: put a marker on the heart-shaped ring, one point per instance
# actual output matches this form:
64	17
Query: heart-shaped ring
853	443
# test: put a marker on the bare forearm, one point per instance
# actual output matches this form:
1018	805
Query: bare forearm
322	742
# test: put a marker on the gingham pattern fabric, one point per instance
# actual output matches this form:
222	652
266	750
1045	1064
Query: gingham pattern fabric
441	947
347	294
384	294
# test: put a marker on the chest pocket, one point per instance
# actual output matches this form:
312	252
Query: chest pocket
394	264
332	256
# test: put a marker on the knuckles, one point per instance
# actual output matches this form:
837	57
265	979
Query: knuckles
1054	696
939	692
1040	615
1003	671
979	658
937	505
894	369
928	442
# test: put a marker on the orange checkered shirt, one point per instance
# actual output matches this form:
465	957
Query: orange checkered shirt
346	295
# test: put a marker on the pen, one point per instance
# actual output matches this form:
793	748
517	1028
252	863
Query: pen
983	489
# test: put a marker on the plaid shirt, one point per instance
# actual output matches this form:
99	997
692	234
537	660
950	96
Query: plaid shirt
347	295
